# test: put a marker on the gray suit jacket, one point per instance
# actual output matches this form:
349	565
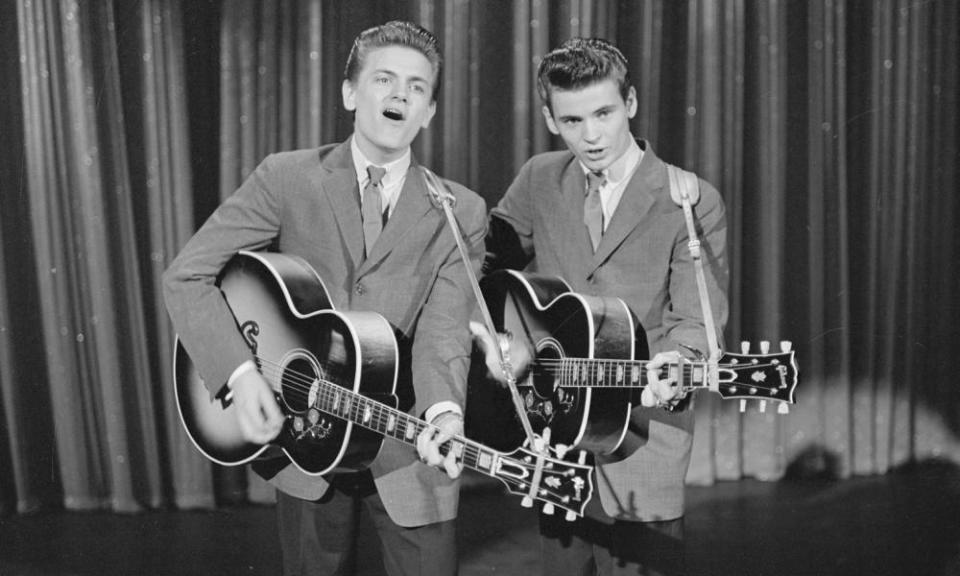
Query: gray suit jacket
307	203
643	259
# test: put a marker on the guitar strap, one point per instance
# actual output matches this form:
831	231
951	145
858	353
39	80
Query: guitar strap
446	200
685	191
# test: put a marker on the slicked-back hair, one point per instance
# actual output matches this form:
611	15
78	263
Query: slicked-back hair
581	62
395	33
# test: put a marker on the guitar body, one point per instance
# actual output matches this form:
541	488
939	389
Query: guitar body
284	313
562	324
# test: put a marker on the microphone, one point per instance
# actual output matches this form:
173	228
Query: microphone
438	191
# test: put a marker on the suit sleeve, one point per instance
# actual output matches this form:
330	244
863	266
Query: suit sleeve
509	242
683	319
247	220
442	345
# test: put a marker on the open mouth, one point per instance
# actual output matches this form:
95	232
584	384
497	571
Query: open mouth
393	114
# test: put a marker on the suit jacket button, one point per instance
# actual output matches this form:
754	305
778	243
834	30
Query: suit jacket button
360	289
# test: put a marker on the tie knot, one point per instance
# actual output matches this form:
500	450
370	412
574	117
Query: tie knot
376	174
595	181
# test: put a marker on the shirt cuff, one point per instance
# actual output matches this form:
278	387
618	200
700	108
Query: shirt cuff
441	407
248	365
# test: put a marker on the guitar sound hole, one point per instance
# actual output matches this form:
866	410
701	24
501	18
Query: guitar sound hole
545	373
298	383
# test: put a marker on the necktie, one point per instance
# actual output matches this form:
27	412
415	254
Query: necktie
592	209
372	207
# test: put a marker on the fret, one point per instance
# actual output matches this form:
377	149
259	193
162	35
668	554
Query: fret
379	422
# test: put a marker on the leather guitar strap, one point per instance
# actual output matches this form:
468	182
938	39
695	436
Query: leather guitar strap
685	191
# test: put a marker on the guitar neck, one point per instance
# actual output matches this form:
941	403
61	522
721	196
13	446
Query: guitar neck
401	426
607	373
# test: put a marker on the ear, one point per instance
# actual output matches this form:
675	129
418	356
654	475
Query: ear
431	110
551	124
349	95
631	102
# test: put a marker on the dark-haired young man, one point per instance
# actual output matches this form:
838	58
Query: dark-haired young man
599	214
328	206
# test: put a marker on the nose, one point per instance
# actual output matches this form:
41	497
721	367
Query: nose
400	91
591	130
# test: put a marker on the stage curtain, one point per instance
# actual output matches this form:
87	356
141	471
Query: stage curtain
830	128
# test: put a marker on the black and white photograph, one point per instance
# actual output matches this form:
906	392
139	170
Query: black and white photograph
479	287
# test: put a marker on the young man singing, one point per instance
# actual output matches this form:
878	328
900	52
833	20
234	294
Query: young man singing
360	214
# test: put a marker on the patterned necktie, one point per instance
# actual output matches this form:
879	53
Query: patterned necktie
372	207
592	209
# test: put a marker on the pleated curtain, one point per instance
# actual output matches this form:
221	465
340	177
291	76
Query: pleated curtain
830	128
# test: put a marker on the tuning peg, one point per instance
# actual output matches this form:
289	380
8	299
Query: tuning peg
527	502
582	457
763	405
570	516
783	409
743	405
744	347
786	345
561	450
764	346
548	509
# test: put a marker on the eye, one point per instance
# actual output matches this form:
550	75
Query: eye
418	89
381	79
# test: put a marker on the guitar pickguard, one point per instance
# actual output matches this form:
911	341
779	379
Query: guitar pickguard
559	404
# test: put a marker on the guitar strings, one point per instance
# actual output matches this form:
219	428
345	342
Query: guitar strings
609	368
301	384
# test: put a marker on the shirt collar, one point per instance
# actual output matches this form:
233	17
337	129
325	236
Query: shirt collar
396	169
623	166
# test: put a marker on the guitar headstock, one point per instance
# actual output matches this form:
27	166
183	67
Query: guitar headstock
764	377
562	484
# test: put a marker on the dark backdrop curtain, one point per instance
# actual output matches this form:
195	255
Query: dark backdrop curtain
830	127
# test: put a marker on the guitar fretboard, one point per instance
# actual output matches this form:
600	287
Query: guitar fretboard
606	373
563	484
398	425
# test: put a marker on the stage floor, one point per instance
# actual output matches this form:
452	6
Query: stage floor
904	523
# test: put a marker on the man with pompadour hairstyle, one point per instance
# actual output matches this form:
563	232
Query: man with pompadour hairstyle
360	214
600	215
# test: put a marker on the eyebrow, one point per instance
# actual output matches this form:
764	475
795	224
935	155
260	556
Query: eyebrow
390	72
605	108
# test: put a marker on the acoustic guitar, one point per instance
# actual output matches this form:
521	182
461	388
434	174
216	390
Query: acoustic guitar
334	375
589	365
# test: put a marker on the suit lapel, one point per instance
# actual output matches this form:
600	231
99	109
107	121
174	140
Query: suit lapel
635	204
339	181
413	203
